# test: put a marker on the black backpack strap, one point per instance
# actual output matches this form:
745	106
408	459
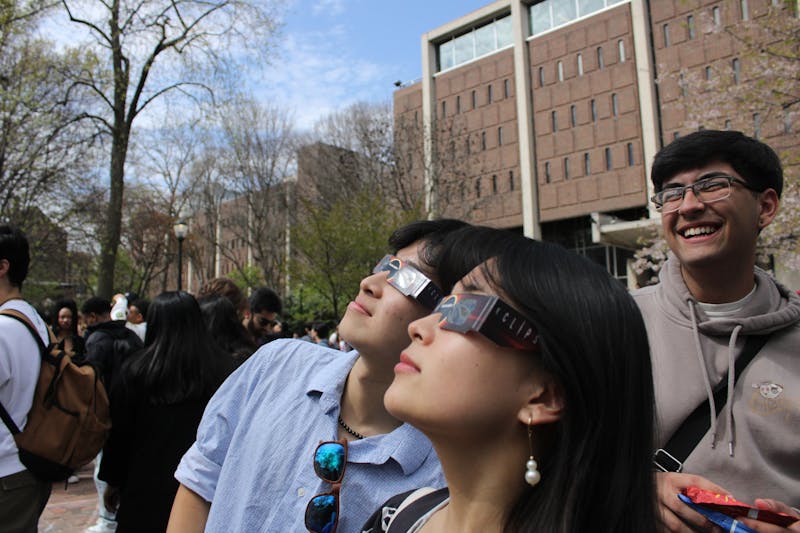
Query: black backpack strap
7	420
671	457
407	515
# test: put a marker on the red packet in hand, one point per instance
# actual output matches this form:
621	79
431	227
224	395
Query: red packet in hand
735	509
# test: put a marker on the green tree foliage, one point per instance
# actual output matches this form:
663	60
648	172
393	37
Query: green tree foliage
339	245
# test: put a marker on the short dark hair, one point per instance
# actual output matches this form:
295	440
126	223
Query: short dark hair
141	304
97	305
753	160
434	234
322	329
265	299
14	249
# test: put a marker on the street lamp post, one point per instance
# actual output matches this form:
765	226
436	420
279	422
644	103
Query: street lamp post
181	229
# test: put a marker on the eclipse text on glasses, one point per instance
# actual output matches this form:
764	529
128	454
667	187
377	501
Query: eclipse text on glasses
322	511
708	189
491	317
409	280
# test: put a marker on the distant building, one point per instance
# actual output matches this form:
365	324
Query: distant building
554	108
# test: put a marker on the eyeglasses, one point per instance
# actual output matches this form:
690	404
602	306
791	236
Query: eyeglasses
708	189
409	281
322	511
491	317
264	322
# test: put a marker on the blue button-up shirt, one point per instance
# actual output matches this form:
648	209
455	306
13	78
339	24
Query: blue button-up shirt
253	454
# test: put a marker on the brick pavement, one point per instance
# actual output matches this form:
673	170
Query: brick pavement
71	510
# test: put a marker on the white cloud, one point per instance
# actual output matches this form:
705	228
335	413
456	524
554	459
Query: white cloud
328	7
317	75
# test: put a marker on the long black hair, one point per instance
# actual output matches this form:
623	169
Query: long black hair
180	360
597	475
224	326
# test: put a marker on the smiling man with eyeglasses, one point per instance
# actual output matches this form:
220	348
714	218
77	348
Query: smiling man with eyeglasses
715	320
257	463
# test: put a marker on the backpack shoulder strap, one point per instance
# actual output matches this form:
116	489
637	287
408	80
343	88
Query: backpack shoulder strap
414	507
25	321
22	318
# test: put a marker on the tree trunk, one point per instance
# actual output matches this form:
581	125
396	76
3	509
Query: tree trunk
113	227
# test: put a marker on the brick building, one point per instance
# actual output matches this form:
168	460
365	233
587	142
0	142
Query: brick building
556	108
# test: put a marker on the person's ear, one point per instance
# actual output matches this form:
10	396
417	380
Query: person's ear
4	267
768	203
545	403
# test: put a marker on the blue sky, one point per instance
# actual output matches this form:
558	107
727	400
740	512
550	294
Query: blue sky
336	52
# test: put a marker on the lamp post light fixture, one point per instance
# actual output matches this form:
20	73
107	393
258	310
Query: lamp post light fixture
181	228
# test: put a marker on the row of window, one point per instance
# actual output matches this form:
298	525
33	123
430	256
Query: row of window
573	112
716	17
473	98
476	43
756	123
587	163
551	14
483	145
579	63
493	183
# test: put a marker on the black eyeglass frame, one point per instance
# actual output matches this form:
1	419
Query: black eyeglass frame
409	280
696	187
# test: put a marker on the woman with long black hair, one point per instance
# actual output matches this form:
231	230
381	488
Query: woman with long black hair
156	405
65	329
533	382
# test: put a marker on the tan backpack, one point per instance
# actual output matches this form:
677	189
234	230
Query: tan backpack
69	419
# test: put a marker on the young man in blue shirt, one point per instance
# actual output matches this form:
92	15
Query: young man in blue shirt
251	466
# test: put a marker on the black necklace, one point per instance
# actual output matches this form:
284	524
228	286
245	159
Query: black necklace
350	430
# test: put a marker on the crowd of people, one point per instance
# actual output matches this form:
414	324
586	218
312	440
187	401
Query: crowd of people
488	382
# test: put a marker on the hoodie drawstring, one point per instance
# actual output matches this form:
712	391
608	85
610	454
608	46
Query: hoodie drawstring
707	382
731	385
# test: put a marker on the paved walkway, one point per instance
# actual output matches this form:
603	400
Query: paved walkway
71	510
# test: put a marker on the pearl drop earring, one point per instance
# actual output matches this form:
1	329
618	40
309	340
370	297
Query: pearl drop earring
532	475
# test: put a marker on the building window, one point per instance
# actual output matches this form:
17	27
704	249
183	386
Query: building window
506	88
458	104
737	70
478	188
510	180
560	68
609	165
716	16
708	73
547	176
675	135
541	76
787	121
467	144
489	94
566	168
600	63
728	125
462	189
621	50
580	64
757	125
587	165
593	108
474	100
444	108
554	120
494	183
614	105
478	42
629	148
682	84
483	140
573	116
690	26
500	136
745	9
666	35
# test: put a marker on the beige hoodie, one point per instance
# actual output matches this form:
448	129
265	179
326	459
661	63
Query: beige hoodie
752	450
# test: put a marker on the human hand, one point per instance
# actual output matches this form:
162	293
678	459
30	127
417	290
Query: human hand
676	516
778	507
111	498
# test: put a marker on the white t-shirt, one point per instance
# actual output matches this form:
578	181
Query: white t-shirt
19	370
